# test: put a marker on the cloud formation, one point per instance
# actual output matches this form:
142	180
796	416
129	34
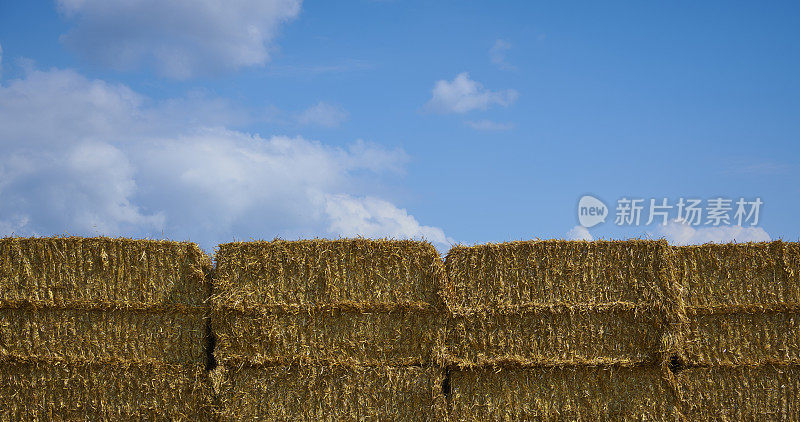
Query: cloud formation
678	233
462	95
579	233
373	217
89	157
179	38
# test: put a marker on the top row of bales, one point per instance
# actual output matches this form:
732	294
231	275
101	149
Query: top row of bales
536	273
357	272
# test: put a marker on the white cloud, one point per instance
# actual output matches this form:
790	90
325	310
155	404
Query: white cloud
579	233
684	234
462	95
373	217
498	55
180	38
322	114
88	157
489	125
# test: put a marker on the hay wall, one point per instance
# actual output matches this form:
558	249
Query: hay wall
99	328
384	330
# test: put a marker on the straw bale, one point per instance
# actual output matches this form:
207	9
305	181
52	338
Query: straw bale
717	275
741	393
332	393
93	334
742	337
579	393
386	336
313	272
556	335
64	270
525	273
58	390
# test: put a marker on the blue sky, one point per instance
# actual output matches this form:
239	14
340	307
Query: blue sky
456	121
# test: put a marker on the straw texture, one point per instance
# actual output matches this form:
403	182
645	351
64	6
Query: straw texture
330	393
717	275
66	270
312	272
329	330
361	301
556	272
393	336
579	393
744	338
113	390
102	298
742	393
100	334
103	329
554	302
743	302
555	335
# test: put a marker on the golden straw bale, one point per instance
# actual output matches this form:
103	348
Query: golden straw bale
312	272
718	275
64	270
556	335
69	333
743	337
741	393
558	272
313	393
60	390
575	393
387	336
742	302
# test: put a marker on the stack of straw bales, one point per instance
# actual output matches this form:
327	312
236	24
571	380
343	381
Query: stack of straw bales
561	330
356	329
102	329
320	329
742	341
